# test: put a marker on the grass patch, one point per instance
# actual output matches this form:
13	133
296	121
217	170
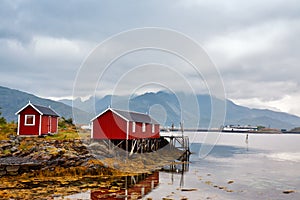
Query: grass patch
7	129
26	144
66	131
6	151
66	135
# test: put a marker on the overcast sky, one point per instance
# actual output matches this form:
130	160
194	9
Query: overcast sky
254	44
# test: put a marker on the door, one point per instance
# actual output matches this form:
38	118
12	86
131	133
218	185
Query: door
49	124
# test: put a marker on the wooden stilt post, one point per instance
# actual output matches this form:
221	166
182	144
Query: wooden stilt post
127	137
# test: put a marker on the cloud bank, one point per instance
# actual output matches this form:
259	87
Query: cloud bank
254	44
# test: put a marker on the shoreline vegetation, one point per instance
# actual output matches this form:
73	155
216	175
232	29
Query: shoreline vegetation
67	162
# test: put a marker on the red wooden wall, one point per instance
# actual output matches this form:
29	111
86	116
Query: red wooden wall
54	123
29	130
139	134
46	127
111	126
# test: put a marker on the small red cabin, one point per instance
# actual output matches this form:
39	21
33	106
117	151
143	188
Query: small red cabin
116	124
37	120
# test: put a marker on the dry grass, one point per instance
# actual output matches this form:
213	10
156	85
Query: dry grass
65	135
7	129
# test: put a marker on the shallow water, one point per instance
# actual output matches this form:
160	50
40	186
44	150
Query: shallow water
261	169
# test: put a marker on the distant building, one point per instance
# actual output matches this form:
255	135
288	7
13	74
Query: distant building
238	128
37	120
116	124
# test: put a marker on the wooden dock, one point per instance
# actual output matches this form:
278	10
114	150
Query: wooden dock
179	141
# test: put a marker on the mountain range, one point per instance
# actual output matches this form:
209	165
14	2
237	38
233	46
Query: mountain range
12	100
167	108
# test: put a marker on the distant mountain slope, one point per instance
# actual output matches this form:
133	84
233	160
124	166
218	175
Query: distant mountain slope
242	115
166	107
170	109
12	100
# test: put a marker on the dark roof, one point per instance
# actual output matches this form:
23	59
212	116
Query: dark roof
46	110
136	117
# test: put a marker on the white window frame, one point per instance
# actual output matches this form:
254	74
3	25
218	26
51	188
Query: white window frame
144	127
33	121
153	128
133	127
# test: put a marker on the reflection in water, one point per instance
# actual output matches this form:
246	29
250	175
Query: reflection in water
265	167
130	187
178	167
135	187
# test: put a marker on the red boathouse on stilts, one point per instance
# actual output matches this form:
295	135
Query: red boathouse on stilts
140	131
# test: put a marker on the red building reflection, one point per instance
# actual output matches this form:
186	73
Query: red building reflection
133	187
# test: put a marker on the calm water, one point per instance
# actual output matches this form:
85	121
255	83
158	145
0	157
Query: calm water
261	168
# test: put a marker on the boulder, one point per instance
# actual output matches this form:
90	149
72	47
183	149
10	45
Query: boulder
13	149
2	172
12	168
6	146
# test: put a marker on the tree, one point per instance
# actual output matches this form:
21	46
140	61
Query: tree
63	122
69	121
2	119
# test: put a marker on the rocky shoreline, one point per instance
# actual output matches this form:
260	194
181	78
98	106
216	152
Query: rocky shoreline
34	167
20	154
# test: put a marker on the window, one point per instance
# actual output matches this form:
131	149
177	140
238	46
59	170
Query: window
153	128
133	127
29	120
144	127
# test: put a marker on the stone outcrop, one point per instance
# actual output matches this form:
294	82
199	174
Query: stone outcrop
19	155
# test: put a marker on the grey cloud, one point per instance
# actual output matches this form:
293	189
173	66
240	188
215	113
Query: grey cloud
265	55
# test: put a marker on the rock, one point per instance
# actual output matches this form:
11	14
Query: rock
78	163
32	149
12	137
17	141
13	149
12	168
12	142
6	146
222	187
20	139
2	172
208	182
230	182
288	191
188	189
17	153
61	151
116	165
45	157
13	173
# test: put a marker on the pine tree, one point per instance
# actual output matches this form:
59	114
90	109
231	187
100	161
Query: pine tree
2	119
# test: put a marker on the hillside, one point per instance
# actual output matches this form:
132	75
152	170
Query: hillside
12	100
169	108
166	107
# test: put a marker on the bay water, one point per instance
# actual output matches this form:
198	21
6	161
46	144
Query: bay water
260	166
233	166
